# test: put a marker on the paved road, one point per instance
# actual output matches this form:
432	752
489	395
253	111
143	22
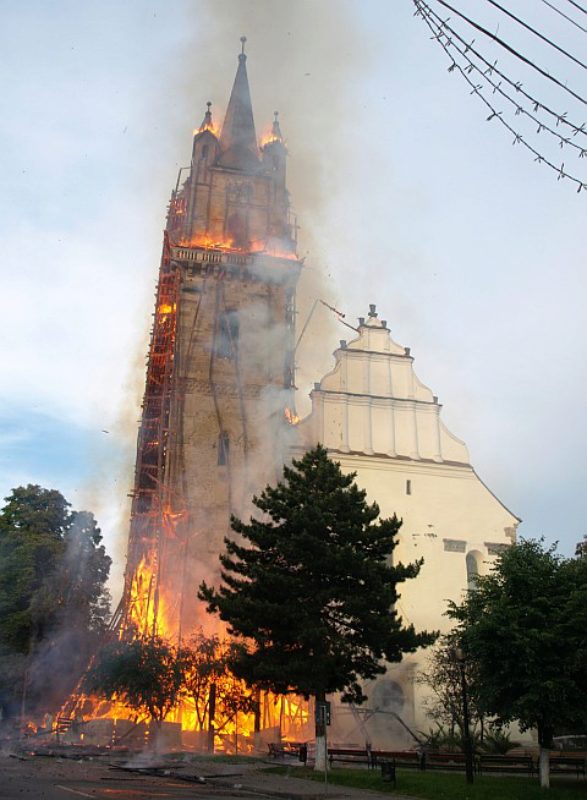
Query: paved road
57	779
42	778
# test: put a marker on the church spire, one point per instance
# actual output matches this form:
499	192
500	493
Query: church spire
238	140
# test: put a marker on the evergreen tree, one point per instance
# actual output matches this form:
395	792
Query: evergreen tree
311	591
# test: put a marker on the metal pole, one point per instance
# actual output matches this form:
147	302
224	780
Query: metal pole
466	731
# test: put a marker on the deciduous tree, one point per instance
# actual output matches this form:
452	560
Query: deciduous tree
146	674
218	696
53	598
524	630
442	675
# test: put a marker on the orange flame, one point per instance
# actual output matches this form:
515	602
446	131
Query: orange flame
165	309
256	246
291	417
269	138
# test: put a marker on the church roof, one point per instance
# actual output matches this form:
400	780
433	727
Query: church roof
238	139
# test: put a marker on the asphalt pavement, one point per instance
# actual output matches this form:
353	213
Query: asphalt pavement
40	777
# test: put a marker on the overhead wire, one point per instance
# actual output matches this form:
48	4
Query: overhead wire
424	11
577	6
561	118
562	14
497	89
512	50
532	30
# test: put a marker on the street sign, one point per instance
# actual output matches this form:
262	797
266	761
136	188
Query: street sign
322	713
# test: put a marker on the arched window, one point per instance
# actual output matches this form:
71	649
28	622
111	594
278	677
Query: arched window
223	448
227	336
236	229
473	560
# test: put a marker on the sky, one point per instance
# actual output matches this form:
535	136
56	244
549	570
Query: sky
406	197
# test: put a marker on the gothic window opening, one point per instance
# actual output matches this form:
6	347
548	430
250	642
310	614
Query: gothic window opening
227	336
236	229
223	448
473	561
408	487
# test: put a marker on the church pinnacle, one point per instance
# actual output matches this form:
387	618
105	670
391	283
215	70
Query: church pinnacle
238	140
207	124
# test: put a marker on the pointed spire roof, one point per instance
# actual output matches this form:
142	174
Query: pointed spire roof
207	124
238	139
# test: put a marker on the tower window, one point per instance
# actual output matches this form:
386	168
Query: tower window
236	229
408	487
473	561
205	149
223	448
227	336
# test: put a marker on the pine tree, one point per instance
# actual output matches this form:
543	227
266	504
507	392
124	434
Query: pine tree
309	589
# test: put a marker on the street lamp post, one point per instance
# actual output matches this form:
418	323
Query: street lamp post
460	657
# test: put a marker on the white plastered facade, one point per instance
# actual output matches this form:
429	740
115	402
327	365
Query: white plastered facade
379	420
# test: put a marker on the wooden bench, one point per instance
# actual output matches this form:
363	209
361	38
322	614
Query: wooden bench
503	763
563	765
448	761
297	750
349	756
400	758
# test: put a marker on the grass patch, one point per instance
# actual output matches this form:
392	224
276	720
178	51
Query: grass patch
444	786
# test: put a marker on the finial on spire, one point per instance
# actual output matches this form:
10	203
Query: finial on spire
243	42
276	130
207	124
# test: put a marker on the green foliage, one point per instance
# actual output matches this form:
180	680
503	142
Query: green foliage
53	600
523	629
450	740
32	527
146	674
441	786
498	742
313	596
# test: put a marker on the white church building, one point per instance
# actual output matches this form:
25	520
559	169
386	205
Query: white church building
377	419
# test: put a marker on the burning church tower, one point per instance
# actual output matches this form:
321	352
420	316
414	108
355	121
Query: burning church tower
220	364
214	430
